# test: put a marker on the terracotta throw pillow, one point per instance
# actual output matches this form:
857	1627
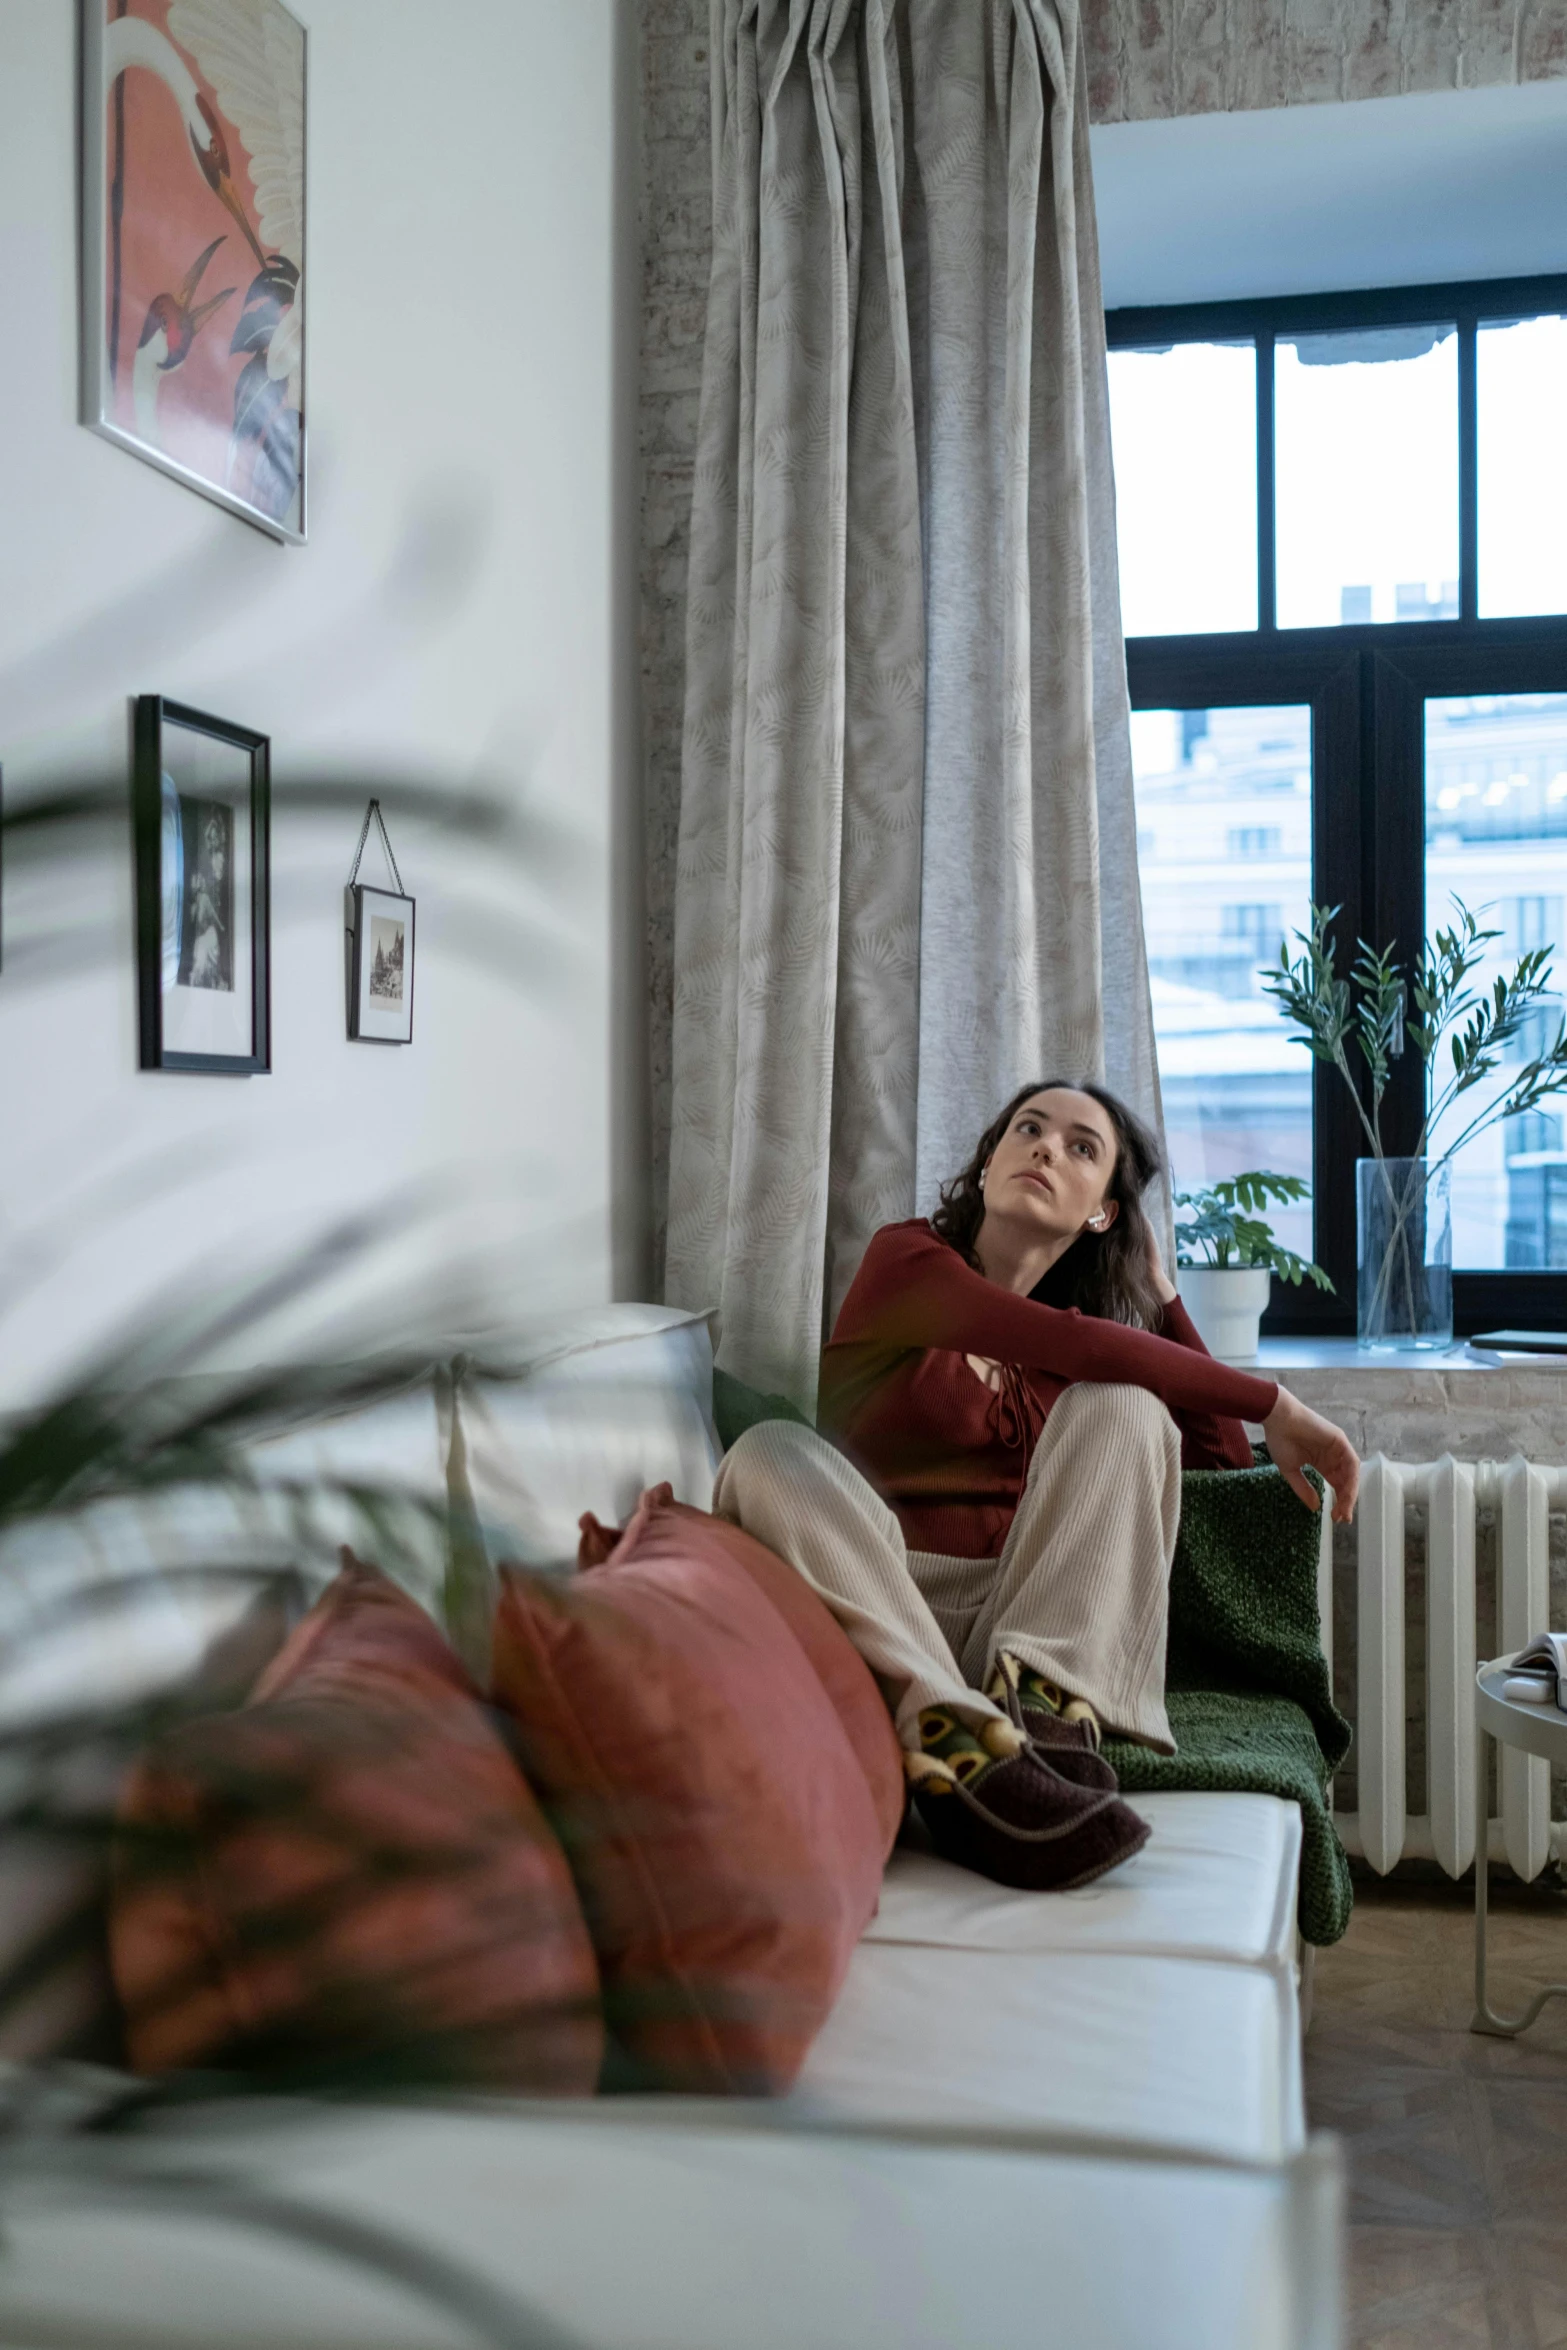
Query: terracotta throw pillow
352	1873
839	1666
718	1817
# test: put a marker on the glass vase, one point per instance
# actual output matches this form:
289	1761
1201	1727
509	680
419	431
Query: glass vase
1404	1226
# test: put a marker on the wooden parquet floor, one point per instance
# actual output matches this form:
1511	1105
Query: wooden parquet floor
1457	2144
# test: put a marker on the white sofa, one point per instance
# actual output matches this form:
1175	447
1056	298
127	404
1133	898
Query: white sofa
1031	2118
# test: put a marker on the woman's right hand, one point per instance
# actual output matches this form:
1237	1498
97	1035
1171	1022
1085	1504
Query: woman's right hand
1297	1440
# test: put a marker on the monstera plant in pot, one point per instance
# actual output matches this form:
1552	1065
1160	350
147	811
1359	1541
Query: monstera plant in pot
1227	1253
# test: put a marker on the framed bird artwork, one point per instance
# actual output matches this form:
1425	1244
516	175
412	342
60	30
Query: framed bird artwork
193	246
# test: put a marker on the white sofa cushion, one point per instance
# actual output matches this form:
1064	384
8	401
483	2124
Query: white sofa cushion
620	1401
110	1603
1216	1880
1180	2054
632	2231
392	1451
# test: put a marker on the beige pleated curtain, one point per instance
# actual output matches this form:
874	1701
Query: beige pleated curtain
908	871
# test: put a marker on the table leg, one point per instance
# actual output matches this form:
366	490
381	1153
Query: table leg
1483	2020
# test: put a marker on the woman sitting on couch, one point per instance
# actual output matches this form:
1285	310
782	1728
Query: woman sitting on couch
1020	1388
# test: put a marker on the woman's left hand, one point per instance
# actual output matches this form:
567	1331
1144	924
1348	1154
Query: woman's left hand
1300	1439
1161	1280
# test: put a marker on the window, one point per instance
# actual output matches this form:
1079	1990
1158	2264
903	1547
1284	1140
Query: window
1367	463
1343	544
1521	367
1496	838
1237	1093
1184	423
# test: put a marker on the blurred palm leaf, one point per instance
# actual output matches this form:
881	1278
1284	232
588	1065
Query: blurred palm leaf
155	1424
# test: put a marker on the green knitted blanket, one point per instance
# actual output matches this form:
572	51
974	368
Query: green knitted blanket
1248	1687
1249	1691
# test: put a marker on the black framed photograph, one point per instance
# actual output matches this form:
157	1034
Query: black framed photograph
381	966
203	915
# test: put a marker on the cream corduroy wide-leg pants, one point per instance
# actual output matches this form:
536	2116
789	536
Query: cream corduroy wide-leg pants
1080	1591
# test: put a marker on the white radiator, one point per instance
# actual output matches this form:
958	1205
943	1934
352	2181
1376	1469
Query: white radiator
1450	1491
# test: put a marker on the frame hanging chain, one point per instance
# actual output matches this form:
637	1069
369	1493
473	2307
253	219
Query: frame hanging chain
373	813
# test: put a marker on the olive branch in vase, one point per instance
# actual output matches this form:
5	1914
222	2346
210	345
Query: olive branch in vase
1371	1012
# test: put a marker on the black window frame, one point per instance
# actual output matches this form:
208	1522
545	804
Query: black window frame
1366	683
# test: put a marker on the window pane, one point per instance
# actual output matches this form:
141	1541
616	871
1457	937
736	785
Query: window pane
1496	835
1521	372
1366	435
1184	427
1224	852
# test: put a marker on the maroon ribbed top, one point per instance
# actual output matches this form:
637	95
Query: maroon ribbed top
950	1453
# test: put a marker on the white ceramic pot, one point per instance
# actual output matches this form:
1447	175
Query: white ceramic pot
1226	1302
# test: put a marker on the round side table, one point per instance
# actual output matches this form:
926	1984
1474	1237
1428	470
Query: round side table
1537	1729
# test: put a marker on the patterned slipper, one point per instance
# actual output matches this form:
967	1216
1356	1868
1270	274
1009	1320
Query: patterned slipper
1021	1822
1071	1745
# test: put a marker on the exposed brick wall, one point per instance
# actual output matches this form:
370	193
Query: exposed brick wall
1147	58
1153	58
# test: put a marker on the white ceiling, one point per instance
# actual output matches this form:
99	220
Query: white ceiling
1307	199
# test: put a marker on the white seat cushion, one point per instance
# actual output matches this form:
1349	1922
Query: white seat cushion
652	2232
622	1402
1216	1879
1183	2055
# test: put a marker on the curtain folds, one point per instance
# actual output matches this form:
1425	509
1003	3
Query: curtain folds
907	866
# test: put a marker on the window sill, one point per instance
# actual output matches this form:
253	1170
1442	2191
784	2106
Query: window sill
1417	1404
1346	1355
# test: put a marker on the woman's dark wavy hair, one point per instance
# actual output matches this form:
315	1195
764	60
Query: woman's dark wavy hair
1101	1273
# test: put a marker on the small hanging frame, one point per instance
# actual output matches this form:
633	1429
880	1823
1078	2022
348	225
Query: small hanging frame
380	943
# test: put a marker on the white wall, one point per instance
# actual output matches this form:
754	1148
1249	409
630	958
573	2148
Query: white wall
456	619
1416	190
